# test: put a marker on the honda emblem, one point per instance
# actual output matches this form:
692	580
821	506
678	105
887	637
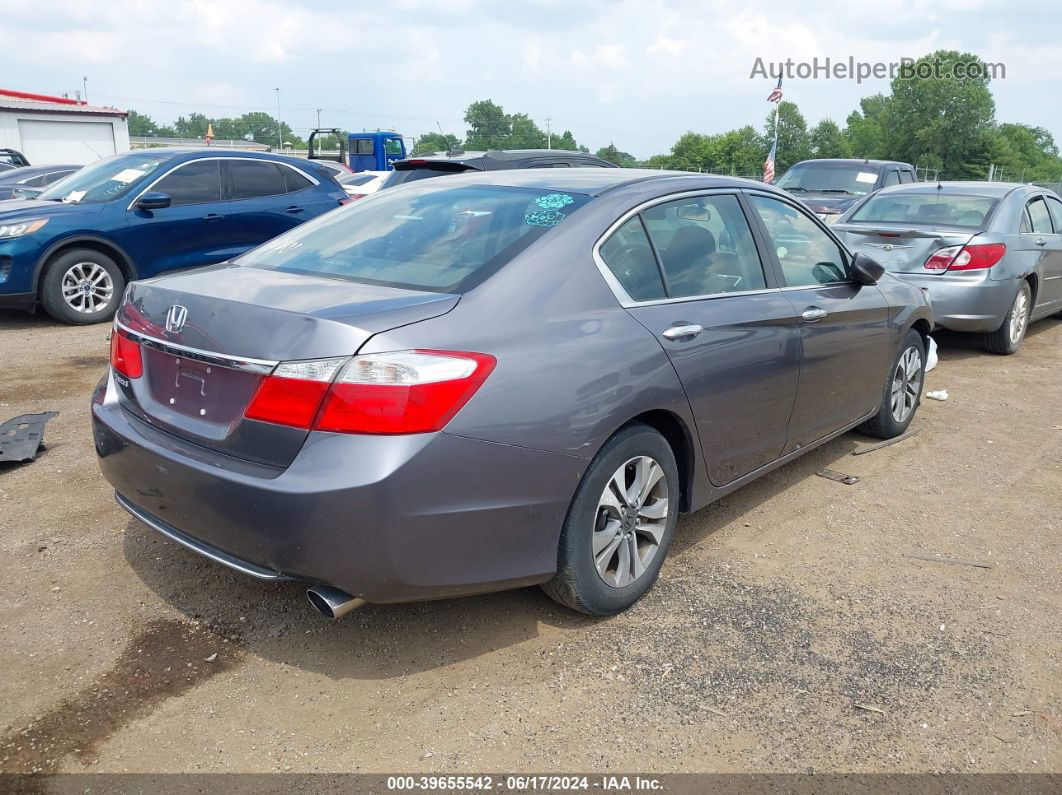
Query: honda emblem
175	318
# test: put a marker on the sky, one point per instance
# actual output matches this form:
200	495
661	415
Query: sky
638	73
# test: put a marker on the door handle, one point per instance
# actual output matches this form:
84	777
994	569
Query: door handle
811	314
213	217
293	209
1040	241
683	330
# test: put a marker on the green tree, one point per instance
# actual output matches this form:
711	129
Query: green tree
949	117
524	133
195	126
793	142
863	131
488	126
436	142
828	140
566	141
614	155
739	152
141	124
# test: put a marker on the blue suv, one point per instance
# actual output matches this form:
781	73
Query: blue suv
135	215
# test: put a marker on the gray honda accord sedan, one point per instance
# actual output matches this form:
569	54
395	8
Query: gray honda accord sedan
497	380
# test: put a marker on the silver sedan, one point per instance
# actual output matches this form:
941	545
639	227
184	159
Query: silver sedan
990	253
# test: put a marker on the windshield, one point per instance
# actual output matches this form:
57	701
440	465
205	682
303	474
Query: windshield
926	209
854	179
430	237
402	176
105	179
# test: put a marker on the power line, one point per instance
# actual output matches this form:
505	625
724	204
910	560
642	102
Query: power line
265	108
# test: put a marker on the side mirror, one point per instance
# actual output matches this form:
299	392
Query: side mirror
153	201
866	269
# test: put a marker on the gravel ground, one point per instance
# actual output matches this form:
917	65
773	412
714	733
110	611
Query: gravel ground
789	630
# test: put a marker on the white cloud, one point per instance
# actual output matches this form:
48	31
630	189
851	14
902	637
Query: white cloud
639	72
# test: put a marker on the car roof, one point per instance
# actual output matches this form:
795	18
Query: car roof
210	151
506	155
597	181
855	161
21	172
971	188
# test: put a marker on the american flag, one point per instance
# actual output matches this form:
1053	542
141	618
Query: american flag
776	94
768	165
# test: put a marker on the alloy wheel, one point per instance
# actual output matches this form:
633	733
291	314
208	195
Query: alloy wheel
1019	317
87	287
906	384
630	521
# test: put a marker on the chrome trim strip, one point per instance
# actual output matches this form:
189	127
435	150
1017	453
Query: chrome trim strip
207	551
260	366
161	177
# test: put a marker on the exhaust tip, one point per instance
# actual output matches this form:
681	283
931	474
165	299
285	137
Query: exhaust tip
332	602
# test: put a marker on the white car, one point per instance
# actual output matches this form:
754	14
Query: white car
362	183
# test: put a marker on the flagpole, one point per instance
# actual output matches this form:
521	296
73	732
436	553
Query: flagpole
777	105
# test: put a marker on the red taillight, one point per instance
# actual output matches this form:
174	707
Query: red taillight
978	256
293	392
386	393
125	355
966	258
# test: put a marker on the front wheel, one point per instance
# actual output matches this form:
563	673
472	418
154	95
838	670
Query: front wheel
82	286
619	525
1008	337
902	392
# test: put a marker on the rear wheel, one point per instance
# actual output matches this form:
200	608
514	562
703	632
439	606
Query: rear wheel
619	525
1008	337
82	286
902	392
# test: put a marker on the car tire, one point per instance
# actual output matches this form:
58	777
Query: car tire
1007	339
82	286
612	546
903	390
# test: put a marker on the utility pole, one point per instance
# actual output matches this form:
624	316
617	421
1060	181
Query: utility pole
84	84
280	133
318	118
549	134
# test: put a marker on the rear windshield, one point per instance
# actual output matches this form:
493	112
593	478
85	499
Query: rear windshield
926	209
401	177
844	179
425	237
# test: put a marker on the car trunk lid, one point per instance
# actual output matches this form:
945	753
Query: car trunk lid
901	248
209	337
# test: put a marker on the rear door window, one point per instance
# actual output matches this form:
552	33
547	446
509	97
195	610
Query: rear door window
629	255
1039	216
705	246
906	177
249	179
295	181
892	177
196	182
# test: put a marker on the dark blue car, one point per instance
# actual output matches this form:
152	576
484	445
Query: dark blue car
136	215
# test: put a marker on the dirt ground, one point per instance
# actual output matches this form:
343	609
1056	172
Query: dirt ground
789	631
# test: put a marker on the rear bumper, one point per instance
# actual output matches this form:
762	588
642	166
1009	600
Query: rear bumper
387	519
966	301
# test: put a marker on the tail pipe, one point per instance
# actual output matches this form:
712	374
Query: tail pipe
332	602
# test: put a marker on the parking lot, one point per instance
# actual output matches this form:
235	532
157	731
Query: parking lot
790	629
